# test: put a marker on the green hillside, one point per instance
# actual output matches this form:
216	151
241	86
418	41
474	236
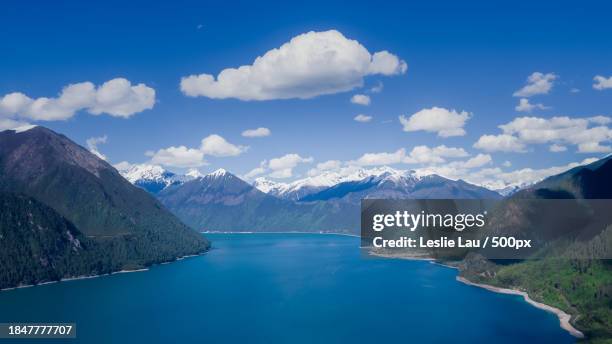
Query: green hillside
119	225
569	274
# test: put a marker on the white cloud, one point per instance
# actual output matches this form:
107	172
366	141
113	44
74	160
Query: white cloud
426	155
377	88
576	131
185	157
603	120
507	163
575	90
180	156
602	83
329	165
499	143
119	98
478	177
439	120
524	176
538	129
360	99
259	132
494	177
537	83
418	155
13	103
374	159
282	174
7	123
561	130
593	147
92	145
116	97
283	167
556	148
122	166
385	63
362	118
309	65
477	161
257	171
525	106
216	145
461	169
280	168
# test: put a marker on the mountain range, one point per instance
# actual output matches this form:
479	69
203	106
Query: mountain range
301	188
381	182
95	221
221	201
155	178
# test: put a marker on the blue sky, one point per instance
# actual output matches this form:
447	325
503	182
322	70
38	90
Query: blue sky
467	58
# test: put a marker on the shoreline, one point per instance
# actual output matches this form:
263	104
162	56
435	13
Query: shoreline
286	232
83	277
386	255
564	318
76	278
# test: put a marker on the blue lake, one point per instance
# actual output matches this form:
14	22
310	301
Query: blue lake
283	288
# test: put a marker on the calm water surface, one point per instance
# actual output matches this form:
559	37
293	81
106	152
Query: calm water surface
283	288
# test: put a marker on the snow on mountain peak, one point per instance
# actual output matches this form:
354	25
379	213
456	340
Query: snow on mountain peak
150	172
154	178
302	187
24	127
194	173
509	189
218	173
268	186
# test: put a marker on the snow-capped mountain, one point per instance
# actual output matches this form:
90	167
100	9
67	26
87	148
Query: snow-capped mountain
155	178
509	190
218	187
193	173
301	188
135	173
389	183
392	178
219	173
505	189
223	201
268	186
